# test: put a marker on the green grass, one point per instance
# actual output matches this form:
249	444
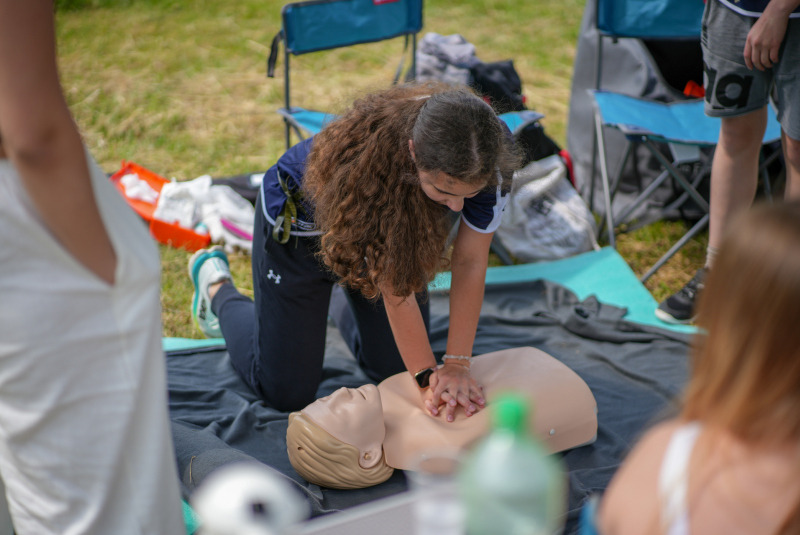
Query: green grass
180	88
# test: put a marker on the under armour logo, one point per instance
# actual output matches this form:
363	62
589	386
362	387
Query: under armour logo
274	276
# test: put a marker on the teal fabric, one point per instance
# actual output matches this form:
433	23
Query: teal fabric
312	121
602	273
650	18
190	518
176	344
517	120
679	122
312	26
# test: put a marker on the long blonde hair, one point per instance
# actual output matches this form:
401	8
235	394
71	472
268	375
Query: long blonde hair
746	368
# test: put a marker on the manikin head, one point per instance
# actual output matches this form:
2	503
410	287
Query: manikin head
336	441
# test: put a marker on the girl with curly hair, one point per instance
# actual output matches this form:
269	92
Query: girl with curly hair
366	204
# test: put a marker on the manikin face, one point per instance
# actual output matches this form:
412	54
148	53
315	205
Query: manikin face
353	416
443	188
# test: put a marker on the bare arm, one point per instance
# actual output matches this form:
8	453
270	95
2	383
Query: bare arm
410	335
765	37
408	328
452	384
469	262
41	139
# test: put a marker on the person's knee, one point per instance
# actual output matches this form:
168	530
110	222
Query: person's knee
742	135
287	397
791	152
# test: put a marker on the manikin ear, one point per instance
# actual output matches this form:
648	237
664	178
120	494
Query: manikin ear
411	148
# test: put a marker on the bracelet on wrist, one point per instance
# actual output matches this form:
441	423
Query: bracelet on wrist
464	360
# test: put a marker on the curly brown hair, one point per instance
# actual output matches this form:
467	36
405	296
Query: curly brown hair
378	226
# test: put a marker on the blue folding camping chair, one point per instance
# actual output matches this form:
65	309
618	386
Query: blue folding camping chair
317	25
681	125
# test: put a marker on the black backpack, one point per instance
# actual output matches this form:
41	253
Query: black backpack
500	84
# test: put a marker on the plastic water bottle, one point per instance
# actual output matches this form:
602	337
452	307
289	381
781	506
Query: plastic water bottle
510	485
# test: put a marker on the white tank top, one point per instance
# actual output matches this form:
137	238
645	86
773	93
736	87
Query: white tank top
673	481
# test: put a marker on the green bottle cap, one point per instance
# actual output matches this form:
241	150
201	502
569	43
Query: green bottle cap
510	411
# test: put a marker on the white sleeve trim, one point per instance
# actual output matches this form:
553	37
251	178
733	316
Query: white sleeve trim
497	216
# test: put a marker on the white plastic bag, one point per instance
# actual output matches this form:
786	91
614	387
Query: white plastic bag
226	215
546	219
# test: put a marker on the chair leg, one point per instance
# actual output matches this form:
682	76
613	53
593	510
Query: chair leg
287	95
700	225
289	127
299	132
643	196
683	197
763	167
677	175
598	124
598	80
615	184
690	190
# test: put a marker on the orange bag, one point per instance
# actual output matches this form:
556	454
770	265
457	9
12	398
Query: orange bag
163	232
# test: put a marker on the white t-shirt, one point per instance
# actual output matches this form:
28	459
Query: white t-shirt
85	441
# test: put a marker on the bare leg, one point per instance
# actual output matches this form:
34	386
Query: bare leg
791	155
734	171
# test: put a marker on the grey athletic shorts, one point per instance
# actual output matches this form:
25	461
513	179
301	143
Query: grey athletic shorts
731	88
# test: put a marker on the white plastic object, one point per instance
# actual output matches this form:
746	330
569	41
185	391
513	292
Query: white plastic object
247	499
138	189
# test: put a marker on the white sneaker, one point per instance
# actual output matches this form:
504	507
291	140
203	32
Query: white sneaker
206	267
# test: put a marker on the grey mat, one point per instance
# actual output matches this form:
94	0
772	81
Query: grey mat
634	372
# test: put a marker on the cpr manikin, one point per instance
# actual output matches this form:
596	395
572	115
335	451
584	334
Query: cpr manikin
354	438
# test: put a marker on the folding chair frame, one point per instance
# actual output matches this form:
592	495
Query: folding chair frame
682	155
288	111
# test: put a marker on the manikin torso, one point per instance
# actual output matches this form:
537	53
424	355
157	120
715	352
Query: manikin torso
392	418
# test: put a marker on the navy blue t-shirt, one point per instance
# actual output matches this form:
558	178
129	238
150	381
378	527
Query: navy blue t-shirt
482	212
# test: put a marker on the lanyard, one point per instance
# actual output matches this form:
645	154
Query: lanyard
288	216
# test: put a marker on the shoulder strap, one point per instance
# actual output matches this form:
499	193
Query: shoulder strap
673	481
273	54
